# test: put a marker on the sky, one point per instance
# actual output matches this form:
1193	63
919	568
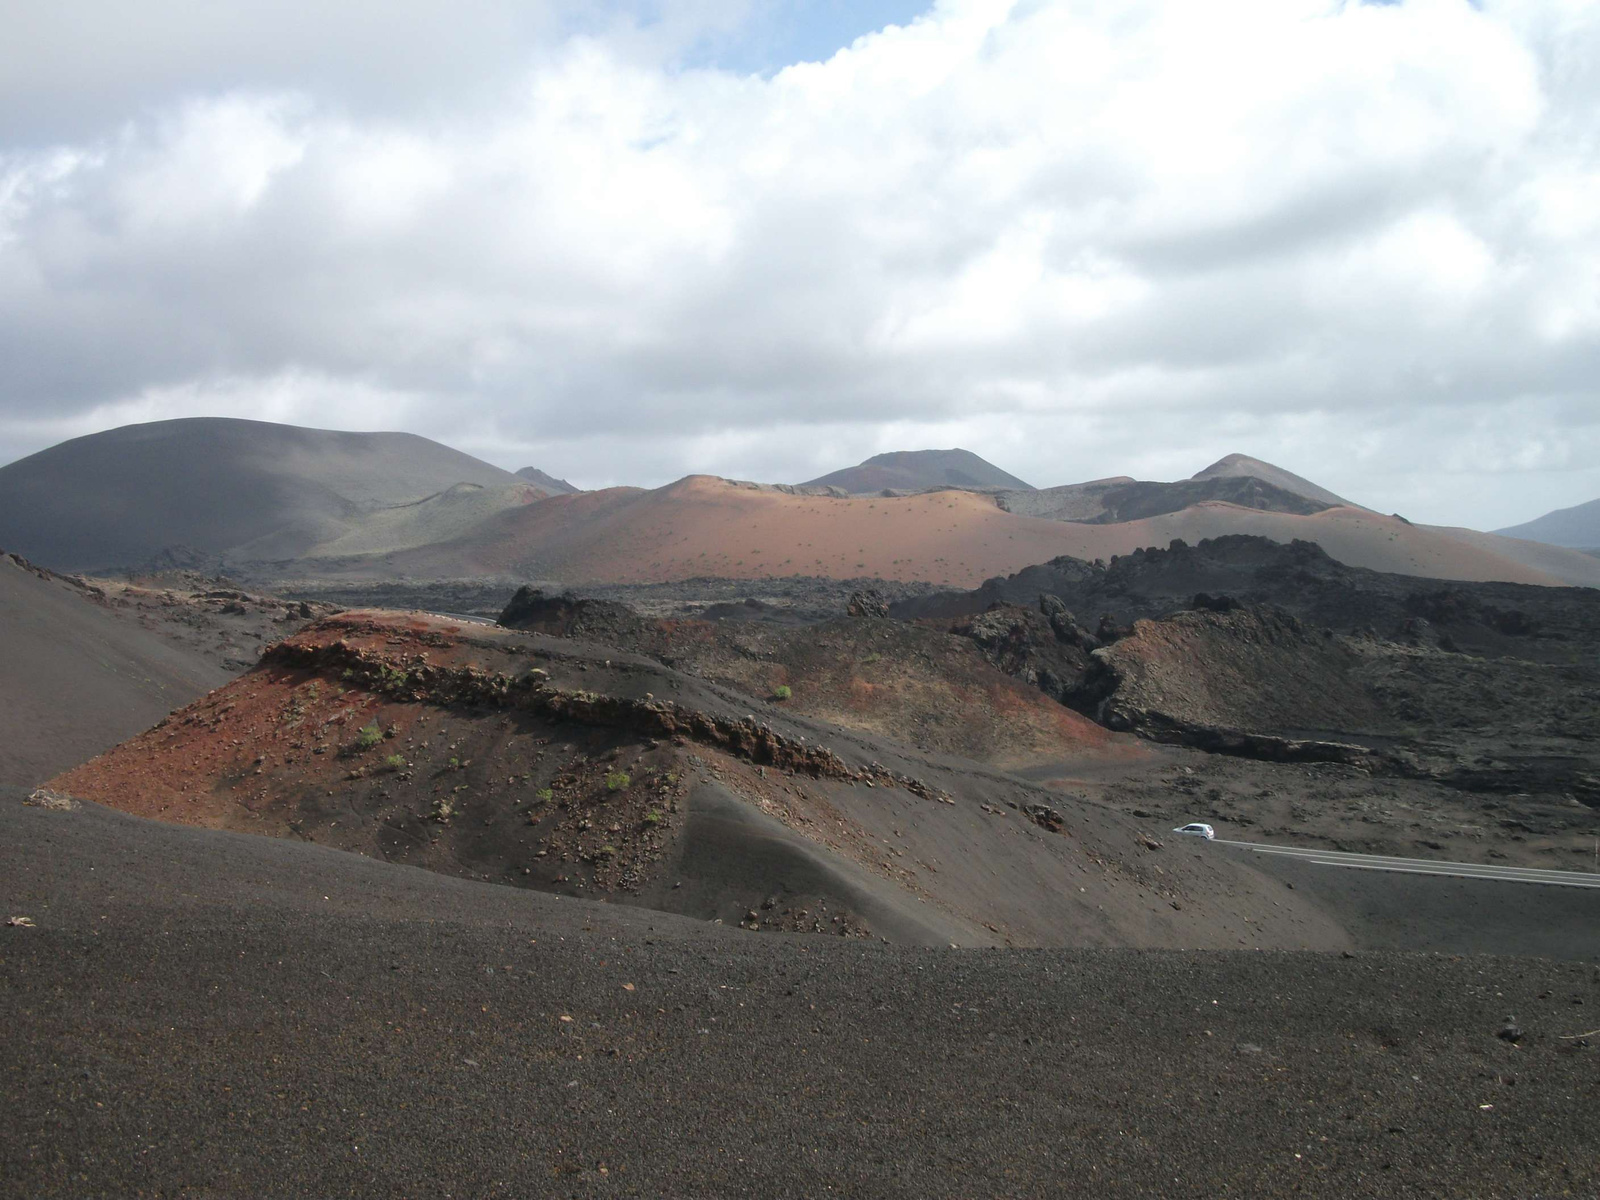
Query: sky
628	241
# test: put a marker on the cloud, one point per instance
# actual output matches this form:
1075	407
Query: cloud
1082	238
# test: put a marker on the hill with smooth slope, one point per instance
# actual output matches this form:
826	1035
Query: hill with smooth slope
223	487
704	526
1236	465
918	470
430	519
77	676
1577	527
1109	501
85	663
1537	556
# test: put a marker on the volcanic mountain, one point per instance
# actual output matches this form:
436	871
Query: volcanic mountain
583	769
1235	466
539	479
1577	527
1113	501
919	470
704	526
1237	479
273	503
232	489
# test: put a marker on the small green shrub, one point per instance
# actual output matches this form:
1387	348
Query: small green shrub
546	795
781	692
393	678
395	762
653	817
617	781
455	764
369	737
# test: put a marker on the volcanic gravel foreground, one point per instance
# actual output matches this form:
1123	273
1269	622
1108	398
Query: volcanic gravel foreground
331	1025
723	897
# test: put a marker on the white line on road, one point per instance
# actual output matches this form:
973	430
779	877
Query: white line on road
1424	866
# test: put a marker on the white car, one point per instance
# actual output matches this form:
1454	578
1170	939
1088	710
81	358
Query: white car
1197	829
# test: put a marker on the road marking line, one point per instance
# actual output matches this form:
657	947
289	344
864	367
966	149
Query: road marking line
1423	866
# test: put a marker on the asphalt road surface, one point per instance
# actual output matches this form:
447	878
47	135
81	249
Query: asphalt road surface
1424	866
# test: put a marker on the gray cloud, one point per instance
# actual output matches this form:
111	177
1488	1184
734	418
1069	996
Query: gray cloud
1079	239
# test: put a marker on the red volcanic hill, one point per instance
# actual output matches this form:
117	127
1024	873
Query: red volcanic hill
705	526
578	768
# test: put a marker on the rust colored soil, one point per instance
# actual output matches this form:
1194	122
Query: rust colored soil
704	526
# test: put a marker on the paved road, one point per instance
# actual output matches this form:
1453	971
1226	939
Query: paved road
1424	866
450	616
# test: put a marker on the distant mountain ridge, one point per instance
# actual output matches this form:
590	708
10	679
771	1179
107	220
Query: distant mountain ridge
918	470
1110	502
268	501
705	526
556	487
220	486
1577	528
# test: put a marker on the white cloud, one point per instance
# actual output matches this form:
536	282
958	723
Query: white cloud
1085	238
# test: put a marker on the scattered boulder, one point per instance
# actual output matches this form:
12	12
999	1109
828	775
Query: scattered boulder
1065	625
51	800
868	603
1045	817
531	605
567	615
1110	631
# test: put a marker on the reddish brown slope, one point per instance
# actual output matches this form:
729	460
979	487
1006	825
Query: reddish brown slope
707	526
421	741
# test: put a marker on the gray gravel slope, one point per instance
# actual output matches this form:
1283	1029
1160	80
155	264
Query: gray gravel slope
199	1013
